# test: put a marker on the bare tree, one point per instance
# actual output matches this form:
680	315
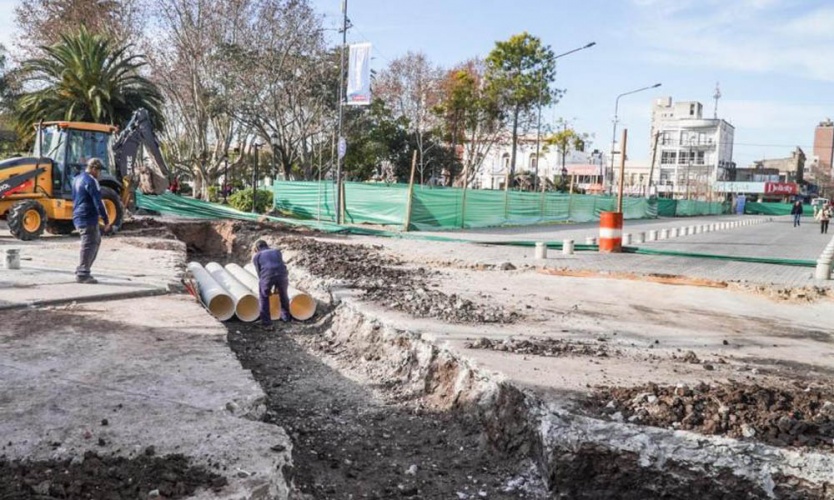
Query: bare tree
42	22
191	67
411	87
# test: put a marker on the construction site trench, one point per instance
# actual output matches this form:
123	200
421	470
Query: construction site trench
376	410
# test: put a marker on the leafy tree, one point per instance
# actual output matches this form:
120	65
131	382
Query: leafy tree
519	73
567	140
86	77
471	116
375	136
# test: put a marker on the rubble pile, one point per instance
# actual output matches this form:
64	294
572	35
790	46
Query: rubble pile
780	417
386	281
541	347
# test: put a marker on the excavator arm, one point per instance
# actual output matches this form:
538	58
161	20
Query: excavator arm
139	132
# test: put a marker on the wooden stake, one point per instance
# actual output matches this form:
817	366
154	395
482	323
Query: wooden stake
410	192
463	199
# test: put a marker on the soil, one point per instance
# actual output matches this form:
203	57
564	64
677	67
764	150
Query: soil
352	440
790	416
105	477
390	282
544	347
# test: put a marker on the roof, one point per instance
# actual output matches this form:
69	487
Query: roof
94	127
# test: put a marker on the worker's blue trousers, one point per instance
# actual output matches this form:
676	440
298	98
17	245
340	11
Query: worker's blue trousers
266	286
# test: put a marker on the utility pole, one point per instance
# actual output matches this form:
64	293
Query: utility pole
341	106
651	168
257	146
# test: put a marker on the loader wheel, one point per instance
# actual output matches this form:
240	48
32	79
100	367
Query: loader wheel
114	207
27	220
60	227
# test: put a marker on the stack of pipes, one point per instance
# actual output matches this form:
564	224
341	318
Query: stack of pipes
233	291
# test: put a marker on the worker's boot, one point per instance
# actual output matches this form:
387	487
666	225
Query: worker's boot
87	280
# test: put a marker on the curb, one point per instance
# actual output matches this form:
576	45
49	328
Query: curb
152	292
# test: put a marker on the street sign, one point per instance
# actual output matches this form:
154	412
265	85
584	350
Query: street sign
342	147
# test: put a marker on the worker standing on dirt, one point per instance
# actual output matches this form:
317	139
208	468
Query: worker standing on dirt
87	208
272	276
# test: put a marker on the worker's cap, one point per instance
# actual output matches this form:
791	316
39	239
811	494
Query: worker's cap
261	245
95	163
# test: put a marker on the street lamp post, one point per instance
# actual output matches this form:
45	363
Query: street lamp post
610	177
539	125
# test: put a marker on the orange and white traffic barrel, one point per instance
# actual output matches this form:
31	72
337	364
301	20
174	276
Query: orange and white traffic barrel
610	232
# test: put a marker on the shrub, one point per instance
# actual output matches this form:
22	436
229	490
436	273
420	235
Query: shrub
242	200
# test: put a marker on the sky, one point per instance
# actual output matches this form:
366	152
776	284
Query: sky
771	57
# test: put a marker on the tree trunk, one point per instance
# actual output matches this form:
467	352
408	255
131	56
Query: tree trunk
515	144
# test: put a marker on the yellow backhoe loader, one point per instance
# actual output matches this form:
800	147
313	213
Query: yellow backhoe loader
36	191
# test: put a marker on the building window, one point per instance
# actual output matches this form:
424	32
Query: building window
691	110
505	161
533	161
668	157
700	158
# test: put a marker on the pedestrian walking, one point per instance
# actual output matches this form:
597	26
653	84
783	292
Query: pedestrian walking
796	211
825	216
87	208
272	278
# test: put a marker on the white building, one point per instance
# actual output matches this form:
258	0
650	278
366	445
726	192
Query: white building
496	164
693	152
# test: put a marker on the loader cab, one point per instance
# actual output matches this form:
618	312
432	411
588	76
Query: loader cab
69	145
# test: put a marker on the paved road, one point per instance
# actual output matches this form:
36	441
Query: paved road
774	239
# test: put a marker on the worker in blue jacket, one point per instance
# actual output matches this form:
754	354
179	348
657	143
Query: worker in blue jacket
272	277
87	208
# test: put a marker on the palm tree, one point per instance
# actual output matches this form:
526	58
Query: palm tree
86	77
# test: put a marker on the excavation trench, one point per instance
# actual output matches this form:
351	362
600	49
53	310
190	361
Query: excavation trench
379	412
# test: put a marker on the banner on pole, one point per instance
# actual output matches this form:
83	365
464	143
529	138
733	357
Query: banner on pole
359	75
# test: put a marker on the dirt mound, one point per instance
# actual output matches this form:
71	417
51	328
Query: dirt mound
542	347
779	417
95	476
387	282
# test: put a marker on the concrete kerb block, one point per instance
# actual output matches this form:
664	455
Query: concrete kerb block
675	232
567	247
640	237
823	270
692	230
627	239
590	240
12	258
652	235
664	234
541	250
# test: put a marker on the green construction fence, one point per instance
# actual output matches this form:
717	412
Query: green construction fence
435	208
755	208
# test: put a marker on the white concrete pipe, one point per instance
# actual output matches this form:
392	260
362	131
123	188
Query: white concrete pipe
302	305
246	303
823	270
675	232
216	299
652	236
541	250
664	234
567	247
251	282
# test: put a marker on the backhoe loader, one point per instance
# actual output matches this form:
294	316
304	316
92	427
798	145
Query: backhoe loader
36	191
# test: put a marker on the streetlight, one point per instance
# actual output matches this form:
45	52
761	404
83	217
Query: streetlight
257	145
614	135
539	125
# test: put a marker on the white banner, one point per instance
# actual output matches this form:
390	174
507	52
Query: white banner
359	75
739	187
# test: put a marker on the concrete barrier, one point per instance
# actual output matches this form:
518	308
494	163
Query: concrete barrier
640	238
541	250
664	234
590	240
627	239
651	235
567	247
675	232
